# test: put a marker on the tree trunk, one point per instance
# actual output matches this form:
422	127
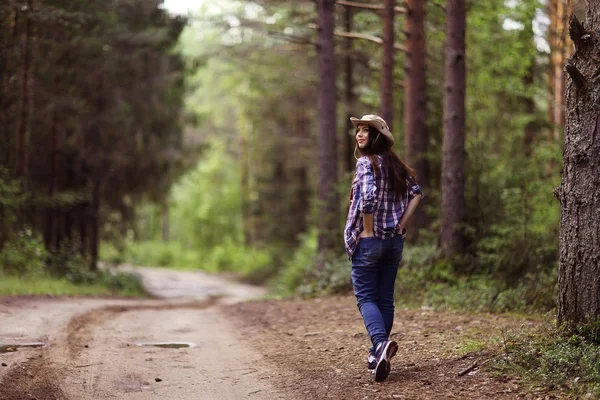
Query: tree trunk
327	97
245	186
579	192
95	226
50	227
415	102
24	93
453	162
560	49
7	97
387	65
348	95
165	221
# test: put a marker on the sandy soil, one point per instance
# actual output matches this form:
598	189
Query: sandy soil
103	348
240	348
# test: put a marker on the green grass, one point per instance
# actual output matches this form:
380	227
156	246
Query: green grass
554	359
471	346
245	263
41	285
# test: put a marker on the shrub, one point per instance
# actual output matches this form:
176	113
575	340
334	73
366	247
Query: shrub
426	278
554	358
22	255
251	264
161	254
68	263
128	283
307	275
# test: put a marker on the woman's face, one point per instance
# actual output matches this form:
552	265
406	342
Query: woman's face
362	136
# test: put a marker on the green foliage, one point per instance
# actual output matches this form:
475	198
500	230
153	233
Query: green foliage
122	283
11	198
554	358
426	278
157	253
206	205
115	284
295	271
66	262
306	275
99	89
252	264
24	254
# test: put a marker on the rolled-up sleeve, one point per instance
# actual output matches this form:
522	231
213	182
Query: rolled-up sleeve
414	189
368	189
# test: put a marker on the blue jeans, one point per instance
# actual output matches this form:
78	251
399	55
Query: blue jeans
375	264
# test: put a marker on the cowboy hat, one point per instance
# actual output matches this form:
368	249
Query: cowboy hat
376	122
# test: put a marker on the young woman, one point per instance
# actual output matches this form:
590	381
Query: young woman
383	197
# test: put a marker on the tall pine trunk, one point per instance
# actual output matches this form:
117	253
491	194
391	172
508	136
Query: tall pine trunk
560	49
95	225
579	192
24	107
387	65
453	162
327	196
415	101
349	141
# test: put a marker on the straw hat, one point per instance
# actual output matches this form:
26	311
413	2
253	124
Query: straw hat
376	122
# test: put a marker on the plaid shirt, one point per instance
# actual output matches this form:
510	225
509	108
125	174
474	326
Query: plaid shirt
371	194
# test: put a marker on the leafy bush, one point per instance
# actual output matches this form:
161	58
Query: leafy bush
68	263
252	264
127	283
24	254
306	275
426	278
11	198
294	273
161	254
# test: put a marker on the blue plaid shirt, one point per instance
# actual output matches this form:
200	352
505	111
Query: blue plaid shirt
371	194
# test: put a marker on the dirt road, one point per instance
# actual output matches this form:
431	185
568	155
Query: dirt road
104	348
220	346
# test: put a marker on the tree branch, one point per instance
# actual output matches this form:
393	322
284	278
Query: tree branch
374	7
362	36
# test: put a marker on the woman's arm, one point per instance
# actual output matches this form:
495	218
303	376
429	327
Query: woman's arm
410	210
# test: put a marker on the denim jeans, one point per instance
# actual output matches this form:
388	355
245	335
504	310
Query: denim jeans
375	264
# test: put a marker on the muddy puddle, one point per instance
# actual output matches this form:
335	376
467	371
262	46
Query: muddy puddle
11	347
168	345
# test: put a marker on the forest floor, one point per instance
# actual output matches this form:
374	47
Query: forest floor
99	348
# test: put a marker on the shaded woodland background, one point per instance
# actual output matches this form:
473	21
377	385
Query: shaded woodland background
219	140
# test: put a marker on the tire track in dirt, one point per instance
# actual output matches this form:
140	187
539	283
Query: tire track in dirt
39	377
80	327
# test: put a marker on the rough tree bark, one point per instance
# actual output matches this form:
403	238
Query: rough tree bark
415	101
579	192
387	65
453	163
326	110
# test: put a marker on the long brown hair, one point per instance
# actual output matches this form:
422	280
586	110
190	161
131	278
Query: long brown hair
397	171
